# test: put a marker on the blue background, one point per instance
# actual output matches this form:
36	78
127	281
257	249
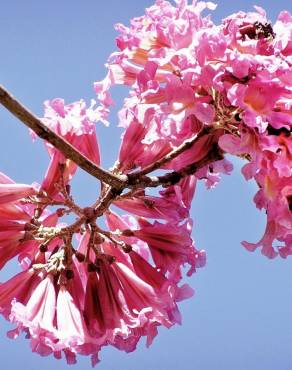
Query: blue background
241	315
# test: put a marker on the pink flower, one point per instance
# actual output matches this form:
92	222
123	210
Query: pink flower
211	45
10	244
69	120
120	307
75	123
59	170
266	242
17	239
170	245
131	147
197	152
153	207
140	143
181	193
72	333
19	288
38	314
14	211
14	192
11	196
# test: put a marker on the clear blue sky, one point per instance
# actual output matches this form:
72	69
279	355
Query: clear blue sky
240	318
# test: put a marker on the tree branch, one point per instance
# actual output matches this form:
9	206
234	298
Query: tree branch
187	144
172	178
44	132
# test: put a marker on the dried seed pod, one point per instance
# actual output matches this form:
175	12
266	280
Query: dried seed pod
127	248
43	248
80	256
92	267
69	274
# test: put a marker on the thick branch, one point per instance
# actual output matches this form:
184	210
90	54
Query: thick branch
44	132
105	200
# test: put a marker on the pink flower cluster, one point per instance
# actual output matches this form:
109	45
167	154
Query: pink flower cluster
114	285
235	79
195	88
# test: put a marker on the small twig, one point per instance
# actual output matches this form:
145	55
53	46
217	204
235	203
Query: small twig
172	178
187	144
44	132
69	201
73	228
131	194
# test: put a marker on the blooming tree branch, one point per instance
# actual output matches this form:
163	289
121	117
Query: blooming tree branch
197	91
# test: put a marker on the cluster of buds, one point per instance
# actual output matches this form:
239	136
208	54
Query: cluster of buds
197	91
